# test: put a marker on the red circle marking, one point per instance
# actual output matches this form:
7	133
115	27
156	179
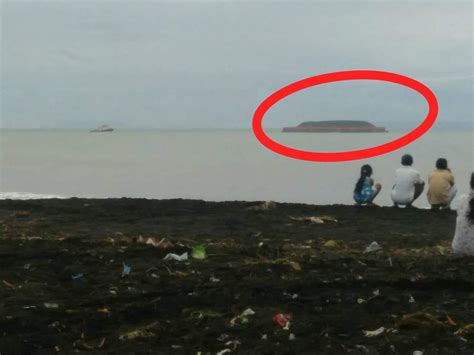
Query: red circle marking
352	154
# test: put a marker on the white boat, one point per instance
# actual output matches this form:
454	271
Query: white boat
103	128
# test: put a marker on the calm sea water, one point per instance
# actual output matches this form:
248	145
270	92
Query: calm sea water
210	165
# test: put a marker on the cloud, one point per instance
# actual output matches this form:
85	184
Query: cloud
209	64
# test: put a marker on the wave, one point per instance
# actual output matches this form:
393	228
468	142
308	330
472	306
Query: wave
26	196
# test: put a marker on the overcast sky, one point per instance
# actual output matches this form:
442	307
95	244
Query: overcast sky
203	64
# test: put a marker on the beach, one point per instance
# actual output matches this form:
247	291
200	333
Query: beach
66	285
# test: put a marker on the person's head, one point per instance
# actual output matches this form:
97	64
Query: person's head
407	160
365	171
442	164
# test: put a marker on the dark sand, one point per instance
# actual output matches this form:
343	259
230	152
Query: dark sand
333	297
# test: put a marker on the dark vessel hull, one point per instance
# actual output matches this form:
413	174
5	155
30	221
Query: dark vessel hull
102	130
332	129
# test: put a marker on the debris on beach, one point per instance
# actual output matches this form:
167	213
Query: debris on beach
468	329
125	269
142	332
372	248
171	256
199	252
77	276
373	333
160	244
419	319
334	288
267	205
8	284
242	318
283	320
315	219
331	244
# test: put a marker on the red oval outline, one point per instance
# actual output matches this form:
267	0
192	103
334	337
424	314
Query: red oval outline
352	154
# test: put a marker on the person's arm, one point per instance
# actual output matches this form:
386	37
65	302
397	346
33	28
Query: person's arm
419	180
451	179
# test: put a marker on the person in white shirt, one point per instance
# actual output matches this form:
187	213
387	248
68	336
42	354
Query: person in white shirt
408	183
463	242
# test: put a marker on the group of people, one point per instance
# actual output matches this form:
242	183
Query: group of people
441	191
409	185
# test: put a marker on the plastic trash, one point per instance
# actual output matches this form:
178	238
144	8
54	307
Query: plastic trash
214	279
126	270
331	244
373	247
242	318
417	320
139	333
291	337
373	333
199	252
315	219
77	276
8	284
51	305
283	319
171	256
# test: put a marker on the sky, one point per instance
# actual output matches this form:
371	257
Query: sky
208	64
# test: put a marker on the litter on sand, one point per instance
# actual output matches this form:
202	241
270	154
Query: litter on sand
171	256
242	318
417	320
373	247
77	276
373	333
199	252
125	269
331	244
283	320
315	219
160	244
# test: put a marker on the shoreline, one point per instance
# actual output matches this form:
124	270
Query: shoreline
266	257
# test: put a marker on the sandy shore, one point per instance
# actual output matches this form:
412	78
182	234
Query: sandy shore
62	286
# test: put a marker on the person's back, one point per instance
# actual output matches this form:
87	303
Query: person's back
463	242
441	190
408	183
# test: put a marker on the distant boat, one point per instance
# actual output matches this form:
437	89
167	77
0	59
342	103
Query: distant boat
335	126
103	128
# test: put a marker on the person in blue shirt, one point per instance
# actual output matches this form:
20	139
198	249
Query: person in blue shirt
365	190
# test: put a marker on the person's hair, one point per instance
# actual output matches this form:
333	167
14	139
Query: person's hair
442	164
470	213
365	171
407	160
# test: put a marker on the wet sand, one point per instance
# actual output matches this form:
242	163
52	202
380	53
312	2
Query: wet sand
265	259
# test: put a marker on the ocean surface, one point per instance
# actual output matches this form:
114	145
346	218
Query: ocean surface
212	165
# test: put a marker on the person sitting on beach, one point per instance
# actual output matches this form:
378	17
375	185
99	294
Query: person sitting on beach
364	194
408	183
463	242
441	189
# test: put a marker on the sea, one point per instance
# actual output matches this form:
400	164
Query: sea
213	165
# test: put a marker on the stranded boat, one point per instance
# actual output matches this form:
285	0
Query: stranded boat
103	128
335	126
